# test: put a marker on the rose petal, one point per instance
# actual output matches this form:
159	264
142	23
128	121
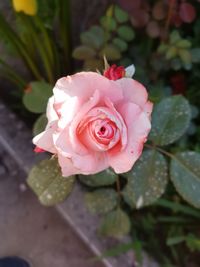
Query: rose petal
138	126
66	141
148	108
44	140
67	166
83	85
133	91
91	163
51	113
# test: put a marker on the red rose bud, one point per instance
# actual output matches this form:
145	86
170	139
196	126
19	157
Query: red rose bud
114	72
38	150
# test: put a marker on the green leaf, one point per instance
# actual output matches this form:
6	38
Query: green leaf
147	180
111	52
93	64
103	178
121	44
162	48
193	242
46	181
108	23
178	208
40	124
126	33
183	43
170	120
115	224
35	99
120	15
171	241
185	56
93	38
174	37
83	52
195	52
185	175
101	200
171	52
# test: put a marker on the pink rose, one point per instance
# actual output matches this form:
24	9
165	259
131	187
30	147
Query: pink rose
95	123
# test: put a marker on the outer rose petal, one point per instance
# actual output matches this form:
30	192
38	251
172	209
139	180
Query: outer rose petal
138	125
148	108
91	163
80	164
67	166
51	113
133	91
78	88
44	140
66	111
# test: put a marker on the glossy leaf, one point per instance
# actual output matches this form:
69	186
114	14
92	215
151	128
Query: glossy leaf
185	175
49	185
93	64
185	56
40	124
174	37
108	23
184	43
126	33
115	224
120	15
195	52
83	52
171	52
103	178
121	44
111	52
36	97
170	120
101	200
147	180
93	38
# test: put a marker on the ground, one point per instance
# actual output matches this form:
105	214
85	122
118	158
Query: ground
31	231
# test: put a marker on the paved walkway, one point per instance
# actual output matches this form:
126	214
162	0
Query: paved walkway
31	231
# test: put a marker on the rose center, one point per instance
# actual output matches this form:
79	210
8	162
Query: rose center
102	130
99	130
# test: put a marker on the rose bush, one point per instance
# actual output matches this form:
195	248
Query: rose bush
95	123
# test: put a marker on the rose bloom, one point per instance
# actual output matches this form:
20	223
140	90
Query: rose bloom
95	122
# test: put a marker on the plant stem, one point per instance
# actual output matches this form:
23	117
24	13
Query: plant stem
161	150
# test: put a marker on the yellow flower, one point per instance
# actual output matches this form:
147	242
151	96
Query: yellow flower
29	7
